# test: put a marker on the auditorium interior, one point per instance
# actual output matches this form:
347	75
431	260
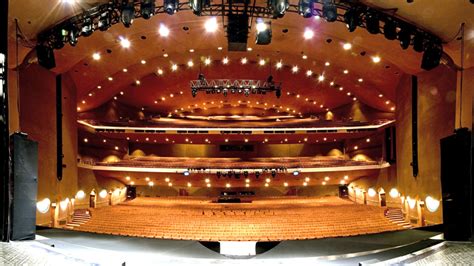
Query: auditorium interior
266	132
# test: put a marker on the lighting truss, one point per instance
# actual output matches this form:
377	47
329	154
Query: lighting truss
227	86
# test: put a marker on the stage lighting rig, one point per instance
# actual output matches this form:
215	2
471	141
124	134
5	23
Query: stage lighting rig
147	8
432	55
278	7
372	22
419	42
390	29
329	10
404	36
306	8
225	86
264	32
104	21
87	27
171	6
128	13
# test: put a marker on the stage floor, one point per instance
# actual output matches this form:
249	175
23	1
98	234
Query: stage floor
61	247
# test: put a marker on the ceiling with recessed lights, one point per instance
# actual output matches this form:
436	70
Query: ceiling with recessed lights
321	65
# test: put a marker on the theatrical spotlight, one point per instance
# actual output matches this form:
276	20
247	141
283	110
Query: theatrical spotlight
278	7
405	38
264	32
329	10
306	8
73	33
171	6
198	5
390	29
432	56
372	22
128	13
147	8
419	42
352	19
104	21
87	28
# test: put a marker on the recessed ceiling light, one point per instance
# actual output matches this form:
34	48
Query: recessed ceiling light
125	70
207	61
190	63
90	94
354	99
165	55
387	102
360	80
327	64
348	94
376	59
249	49
304	56
380	95
392	109
321	78
309	73
219	48
331	83
211	24
279	65
137	82
347	46
225	60
78	108
124	42
243	61
191	50
159	71
346	71
294	69
143	62
261	62
121	93
99	87
341	88
96	56
69	2
110	78
163	31
308	34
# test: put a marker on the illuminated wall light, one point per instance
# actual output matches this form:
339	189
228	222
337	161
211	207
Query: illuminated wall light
347	46
219	48
304	56
167	180
432	204
227	185
96	56
266	185
294	69
190	63
189	184
261	62
103	193
191	50
285	184
371	192
387	102
367	140
346	177
170	184
124	42
127	178
380	95
151	183
159	71
356	147
225	60
86	140
341	88
207	61
268	180
207	180
243	61
327	64
305	184
132	183
247	180
137	82
321	78
309	73
165	55
211	24
308	34
247	185
249	49
208	185
110	78
411	202
394	193
325	139
63	204
147	179
360	80
116	148
345	71
342	182
80	194
324	183
348	94
392	109
376	59
307	179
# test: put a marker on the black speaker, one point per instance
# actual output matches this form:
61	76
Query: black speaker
456	185
237	32
343	192
25	184
45	56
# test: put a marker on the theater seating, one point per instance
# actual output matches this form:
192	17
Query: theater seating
270	219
